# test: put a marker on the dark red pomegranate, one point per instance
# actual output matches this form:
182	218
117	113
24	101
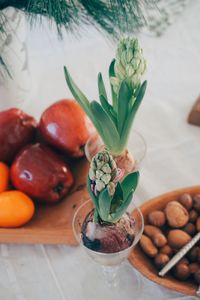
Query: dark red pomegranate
65	126
16	130
41	174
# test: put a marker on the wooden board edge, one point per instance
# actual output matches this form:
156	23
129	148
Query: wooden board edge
44	237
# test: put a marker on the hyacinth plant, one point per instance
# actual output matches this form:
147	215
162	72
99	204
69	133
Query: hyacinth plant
113	119
110	197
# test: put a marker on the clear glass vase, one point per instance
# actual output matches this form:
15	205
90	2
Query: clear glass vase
115	271
136	147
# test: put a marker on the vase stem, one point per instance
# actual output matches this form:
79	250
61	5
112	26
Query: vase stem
111	275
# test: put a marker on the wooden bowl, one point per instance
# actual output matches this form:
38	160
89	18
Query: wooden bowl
144	264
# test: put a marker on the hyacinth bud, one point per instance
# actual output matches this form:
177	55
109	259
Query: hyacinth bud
103	172
129	64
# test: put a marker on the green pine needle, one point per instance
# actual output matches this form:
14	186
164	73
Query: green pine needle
113	16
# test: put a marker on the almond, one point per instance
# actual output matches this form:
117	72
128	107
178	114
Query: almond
151	230
147	246
159	240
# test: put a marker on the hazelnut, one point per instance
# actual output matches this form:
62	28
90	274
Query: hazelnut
176	214
194	267
182	271
184	261
159	240
197	276
193	254
178	238
186	201
196	202
166	250
157	218
198	256
198	224
193	215
161	260
190	228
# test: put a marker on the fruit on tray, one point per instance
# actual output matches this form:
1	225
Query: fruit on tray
16	209
109	228
17	130
113	119
41	174
4	177
65	126
178	222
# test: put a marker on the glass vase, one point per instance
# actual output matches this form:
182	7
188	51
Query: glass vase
114	267
136	148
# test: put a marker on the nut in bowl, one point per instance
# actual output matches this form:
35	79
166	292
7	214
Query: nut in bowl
149	257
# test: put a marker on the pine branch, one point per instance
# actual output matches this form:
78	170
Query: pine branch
113	16
4	67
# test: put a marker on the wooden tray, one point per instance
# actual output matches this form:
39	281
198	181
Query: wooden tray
52	224
144	265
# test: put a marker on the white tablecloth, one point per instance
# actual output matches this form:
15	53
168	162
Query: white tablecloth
173	157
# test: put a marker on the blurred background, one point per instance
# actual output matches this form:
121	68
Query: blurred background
33	51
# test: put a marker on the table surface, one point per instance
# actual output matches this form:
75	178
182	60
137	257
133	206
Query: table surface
59	272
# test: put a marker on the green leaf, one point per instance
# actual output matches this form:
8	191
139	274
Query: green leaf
135	94
108	108
112	68
96	216
117	198
119	190
92	196
122	209
80	97
76	92
93	114
128	124
140	96
101	86
104	205
105	104
112	74
130	183
108	129
124	97
137	91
